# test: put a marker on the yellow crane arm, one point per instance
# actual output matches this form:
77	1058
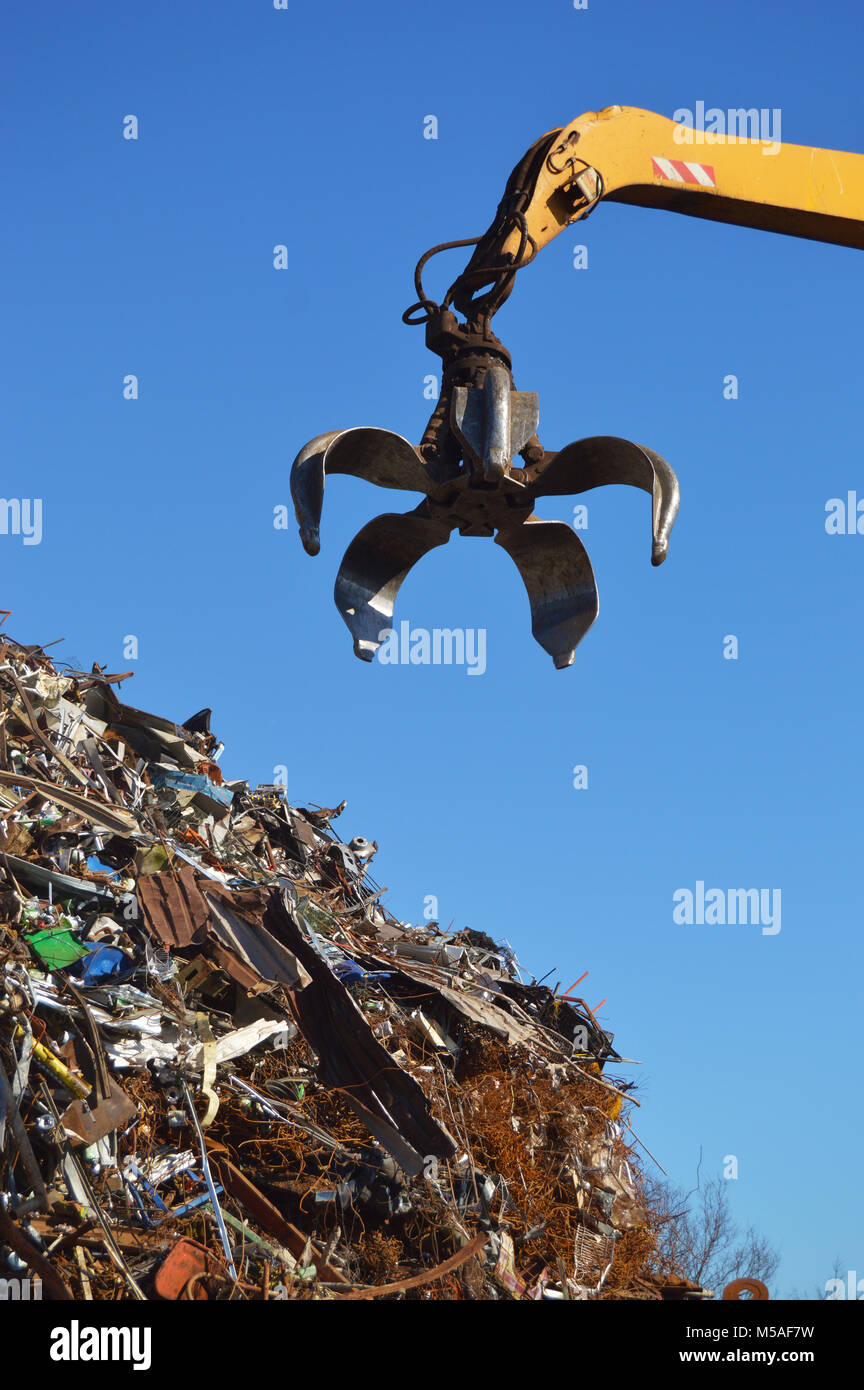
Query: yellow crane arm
626	155
464	464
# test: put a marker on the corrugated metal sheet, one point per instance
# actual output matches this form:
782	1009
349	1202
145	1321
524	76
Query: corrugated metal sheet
174	911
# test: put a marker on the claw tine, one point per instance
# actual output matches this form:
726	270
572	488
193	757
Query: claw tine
373	568
558	577
666	499
604	459
307	488
378	456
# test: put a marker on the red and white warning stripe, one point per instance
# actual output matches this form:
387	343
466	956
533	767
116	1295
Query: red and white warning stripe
684	171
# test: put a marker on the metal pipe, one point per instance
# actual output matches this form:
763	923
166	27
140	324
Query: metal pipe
208	1178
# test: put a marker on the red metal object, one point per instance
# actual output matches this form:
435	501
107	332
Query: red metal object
749	1288
187	1261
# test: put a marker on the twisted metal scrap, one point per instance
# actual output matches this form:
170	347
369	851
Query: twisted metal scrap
488	497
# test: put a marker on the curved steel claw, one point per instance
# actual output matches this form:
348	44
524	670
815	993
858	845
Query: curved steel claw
604	459
486	497
378	456
374	566
558	576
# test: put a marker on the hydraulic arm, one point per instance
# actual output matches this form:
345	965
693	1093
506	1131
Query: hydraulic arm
464	465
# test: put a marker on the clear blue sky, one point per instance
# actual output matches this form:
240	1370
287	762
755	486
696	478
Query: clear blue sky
154	257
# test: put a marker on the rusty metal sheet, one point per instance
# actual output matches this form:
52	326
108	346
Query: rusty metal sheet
234	966
257	947
174	911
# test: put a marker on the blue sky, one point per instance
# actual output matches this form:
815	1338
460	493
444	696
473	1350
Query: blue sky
304	127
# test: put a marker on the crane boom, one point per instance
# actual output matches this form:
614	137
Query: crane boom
465	465
626	155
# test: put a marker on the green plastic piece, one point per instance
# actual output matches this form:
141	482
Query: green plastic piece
56	947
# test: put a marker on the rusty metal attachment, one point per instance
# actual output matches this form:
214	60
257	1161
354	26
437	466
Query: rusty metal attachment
465	469
746	1289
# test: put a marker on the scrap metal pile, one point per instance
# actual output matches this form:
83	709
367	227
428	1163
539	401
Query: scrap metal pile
228	1072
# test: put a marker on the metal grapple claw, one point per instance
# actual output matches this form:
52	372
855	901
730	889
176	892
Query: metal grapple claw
558	577
470	483
373	568
379	456
604	459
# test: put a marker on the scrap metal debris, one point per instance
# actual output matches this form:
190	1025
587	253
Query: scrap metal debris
227	1071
